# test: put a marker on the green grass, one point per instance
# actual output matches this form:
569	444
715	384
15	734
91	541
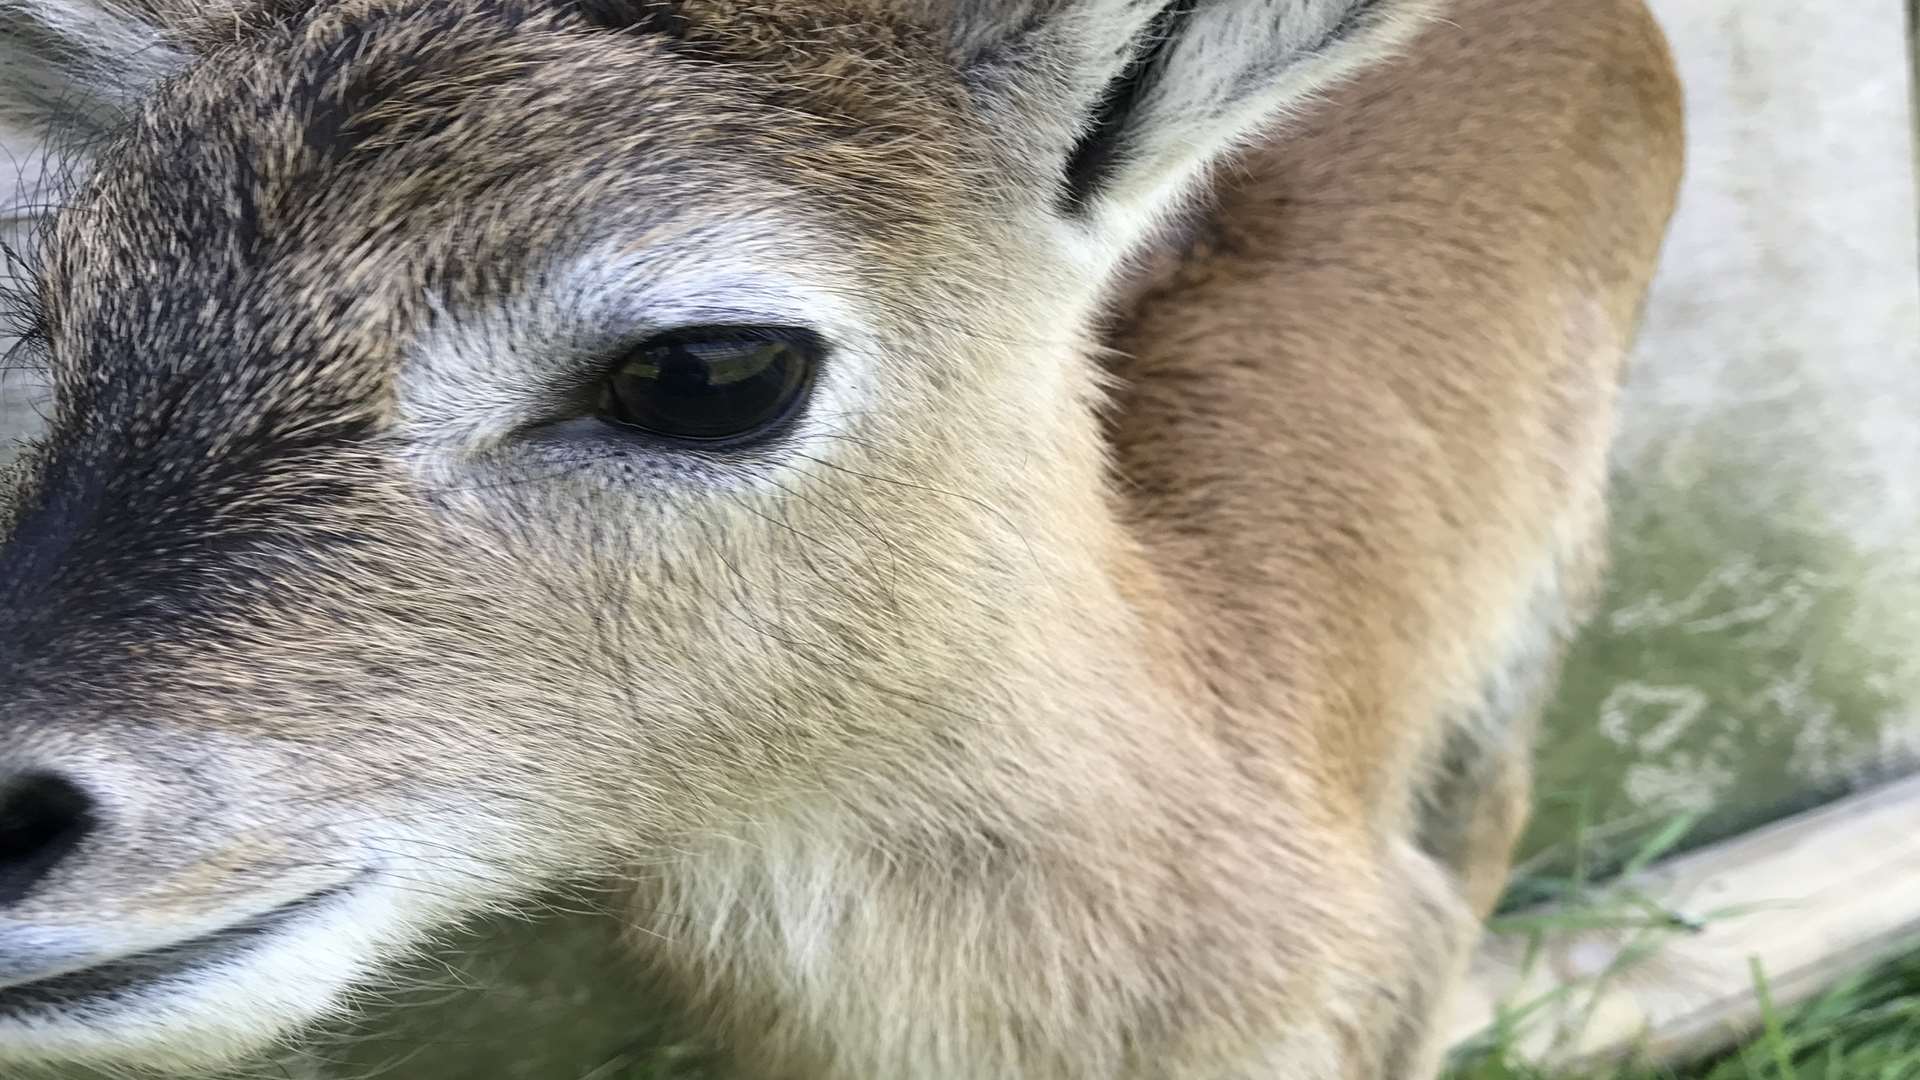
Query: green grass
1865	1028
1868	1028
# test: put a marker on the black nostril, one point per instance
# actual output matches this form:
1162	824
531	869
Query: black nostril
42	818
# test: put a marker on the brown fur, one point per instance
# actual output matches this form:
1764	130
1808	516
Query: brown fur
1010	727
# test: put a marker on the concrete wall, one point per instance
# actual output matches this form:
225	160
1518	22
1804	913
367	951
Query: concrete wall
1762	647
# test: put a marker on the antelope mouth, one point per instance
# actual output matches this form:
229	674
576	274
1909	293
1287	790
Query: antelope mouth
136	978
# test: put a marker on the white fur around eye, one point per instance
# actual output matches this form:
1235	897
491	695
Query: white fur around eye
481	376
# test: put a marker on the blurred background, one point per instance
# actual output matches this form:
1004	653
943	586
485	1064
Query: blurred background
1761	648
1759	653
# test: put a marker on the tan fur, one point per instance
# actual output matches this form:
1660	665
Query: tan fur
1050	712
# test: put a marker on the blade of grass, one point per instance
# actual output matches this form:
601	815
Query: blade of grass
1776	1033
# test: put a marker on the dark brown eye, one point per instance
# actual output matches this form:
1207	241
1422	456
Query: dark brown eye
714	386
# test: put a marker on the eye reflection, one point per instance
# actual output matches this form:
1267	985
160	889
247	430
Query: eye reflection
712	386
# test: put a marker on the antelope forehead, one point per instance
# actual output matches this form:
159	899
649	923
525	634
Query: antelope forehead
376	127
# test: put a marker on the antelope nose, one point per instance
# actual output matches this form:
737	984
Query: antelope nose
43	818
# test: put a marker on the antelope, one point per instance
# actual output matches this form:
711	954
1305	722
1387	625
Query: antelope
1000	538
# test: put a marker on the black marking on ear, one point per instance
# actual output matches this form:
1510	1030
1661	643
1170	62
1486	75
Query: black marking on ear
665	17
1361	16
1101	150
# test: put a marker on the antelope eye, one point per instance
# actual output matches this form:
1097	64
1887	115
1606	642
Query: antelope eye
713	386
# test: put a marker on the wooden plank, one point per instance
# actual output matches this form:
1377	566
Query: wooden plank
1809	899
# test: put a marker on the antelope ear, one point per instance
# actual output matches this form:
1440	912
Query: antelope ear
1130	101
